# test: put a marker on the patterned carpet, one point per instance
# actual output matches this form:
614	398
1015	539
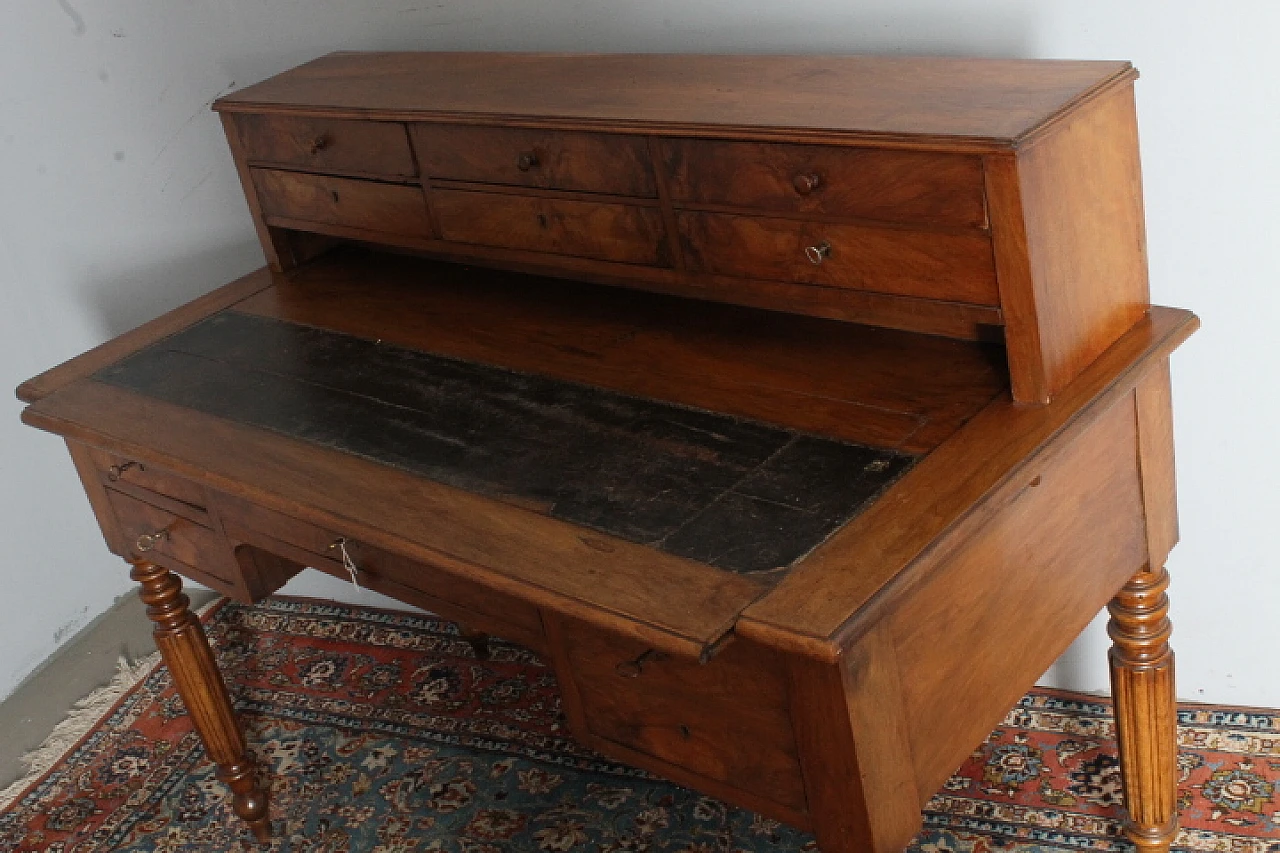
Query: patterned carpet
382	732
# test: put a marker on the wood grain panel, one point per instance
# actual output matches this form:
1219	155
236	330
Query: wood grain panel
951	267
587	162
201	553
327	145
313	545
1154	402
1076	278
609	232
860	573
852	382
695	715
986	622
896	186
854	748
324	199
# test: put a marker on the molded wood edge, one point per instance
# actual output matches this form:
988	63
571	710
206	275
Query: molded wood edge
826	603
148	333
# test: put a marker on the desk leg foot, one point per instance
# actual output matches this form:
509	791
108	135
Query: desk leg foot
185	649
1146	709
478	640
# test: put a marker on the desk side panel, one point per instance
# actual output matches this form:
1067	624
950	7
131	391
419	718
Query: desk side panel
1070	244
987	620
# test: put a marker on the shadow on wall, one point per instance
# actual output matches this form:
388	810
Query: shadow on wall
123	299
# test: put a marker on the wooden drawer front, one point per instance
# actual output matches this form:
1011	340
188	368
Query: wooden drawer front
726	720
609	232
408	580
548	159
323	199
130	475
951	267
324	145
201	553
895	186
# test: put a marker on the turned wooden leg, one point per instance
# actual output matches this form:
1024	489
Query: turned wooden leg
185	649
1146	709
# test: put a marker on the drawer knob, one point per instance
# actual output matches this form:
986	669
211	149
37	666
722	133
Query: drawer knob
319	144
148	541
115	472
527	161
635	668
817	254
806	183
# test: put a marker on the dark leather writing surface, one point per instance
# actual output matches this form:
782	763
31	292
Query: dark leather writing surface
736	494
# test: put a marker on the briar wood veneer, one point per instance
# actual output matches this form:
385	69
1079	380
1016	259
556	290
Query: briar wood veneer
802	558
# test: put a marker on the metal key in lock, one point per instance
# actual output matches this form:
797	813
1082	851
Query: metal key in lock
635	668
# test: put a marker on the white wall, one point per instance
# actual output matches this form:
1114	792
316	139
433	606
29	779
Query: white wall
119	202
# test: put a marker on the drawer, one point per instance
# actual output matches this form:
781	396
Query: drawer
327	145
954	267
547	159
347	202
624	233
140	478
895	186
182	545
725	720
412	581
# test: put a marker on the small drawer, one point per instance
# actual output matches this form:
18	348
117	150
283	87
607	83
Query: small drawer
138	478
176	542
726	720
327	145
547	159
894	186
954	267
411	581
326	200
624	233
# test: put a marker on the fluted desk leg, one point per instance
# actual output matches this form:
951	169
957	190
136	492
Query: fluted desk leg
1146	709
185	649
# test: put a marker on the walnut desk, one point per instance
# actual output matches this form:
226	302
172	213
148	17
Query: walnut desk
801	411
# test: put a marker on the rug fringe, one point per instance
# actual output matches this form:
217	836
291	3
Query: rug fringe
82	718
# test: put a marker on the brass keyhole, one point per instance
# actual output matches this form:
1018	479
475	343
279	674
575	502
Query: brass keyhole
334	193
542	220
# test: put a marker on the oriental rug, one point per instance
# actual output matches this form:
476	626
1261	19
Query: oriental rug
382	732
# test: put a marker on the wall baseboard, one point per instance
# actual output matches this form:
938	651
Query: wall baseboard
85	662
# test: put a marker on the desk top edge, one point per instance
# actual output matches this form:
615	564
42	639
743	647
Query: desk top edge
849	98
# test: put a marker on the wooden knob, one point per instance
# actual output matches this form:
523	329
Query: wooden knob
319	144
527	161
817	254
806	183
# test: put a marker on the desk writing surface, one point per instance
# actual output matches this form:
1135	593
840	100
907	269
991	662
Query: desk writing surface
736	400
736	494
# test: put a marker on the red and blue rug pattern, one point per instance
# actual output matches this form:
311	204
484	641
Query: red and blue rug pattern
382	732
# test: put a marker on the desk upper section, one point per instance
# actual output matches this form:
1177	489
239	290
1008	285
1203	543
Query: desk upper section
968	198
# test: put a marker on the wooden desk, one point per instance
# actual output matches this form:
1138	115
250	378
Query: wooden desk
870	420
